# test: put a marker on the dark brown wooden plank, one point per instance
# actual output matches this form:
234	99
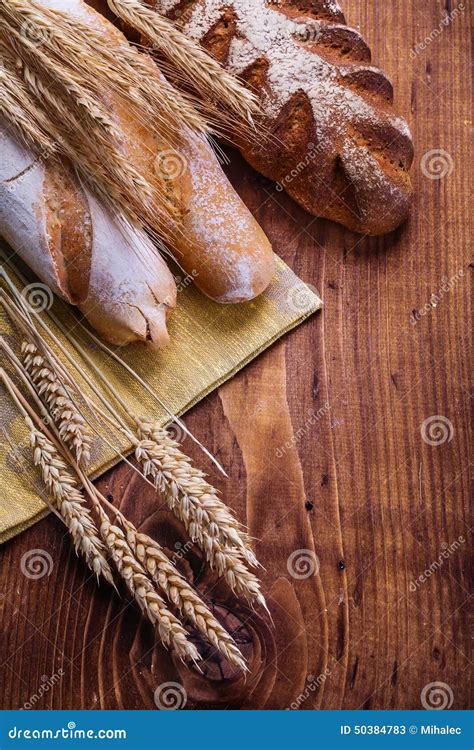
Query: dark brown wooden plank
322	439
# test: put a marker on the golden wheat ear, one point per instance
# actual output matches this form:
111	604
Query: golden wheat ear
52	100
188	62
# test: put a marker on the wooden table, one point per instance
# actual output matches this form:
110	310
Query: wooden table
331	459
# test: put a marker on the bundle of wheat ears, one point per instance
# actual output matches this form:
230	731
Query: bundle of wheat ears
50	96
62	421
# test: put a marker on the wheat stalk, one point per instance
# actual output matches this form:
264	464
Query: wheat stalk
72	425
29	122
69	502
181	593
56	77
92	118
206	518
152	605
195	66
62	109
138	558
104	61
206	515
18	110
65	498
70	505
77	124
89	136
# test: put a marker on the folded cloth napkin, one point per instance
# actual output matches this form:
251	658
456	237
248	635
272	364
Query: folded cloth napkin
209	344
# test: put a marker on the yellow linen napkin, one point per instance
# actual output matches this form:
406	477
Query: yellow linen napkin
209	344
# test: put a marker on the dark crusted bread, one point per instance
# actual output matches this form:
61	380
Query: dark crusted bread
336	145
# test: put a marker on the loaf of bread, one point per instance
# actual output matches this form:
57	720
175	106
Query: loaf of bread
218	241
334	142
76	247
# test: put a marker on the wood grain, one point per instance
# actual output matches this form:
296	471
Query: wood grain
322	439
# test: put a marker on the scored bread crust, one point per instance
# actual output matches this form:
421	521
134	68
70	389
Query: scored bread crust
334	142
84	254
218	242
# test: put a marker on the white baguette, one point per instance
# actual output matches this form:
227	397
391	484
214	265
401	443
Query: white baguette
110	271
220	245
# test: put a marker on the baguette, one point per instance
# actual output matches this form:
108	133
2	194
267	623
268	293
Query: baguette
335	143
218	241
80	251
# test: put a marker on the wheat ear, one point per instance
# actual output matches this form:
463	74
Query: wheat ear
28	122
18	110
195	66
189	492
207	520
181	593
58	114
100	59
72	425
69	502
152	605
65	498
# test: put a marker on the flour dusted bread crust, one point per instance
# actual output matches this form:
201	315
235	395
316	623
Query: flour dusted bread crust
80	251
218	241
336	146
